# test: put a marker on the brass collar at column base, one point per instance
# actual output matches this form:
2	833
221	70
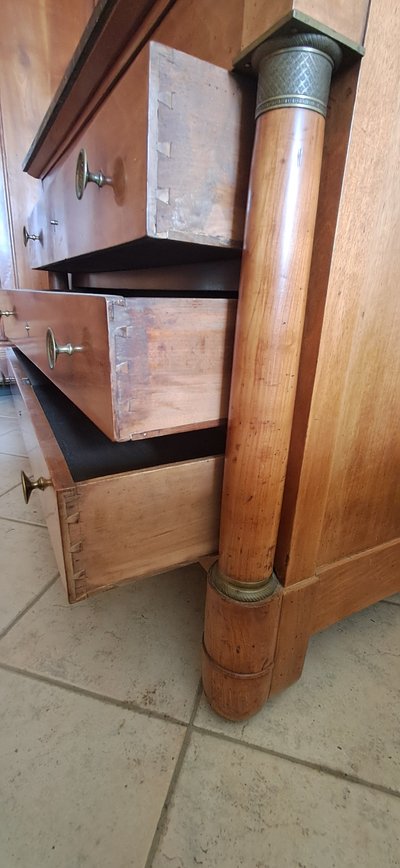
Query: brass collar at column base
243	592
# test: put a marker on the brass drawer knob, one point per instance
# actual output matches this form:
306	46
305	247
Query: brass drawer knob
29	237
7	313
6	381
53	349
83	175
28	486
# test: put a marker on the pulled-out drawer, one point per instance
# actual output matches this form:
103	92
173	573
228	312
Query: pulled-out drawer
165	160
137	367
116	511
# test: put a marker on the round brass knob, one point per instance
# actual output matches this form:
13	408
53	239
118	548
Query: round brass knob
6	381
83	175
7	313
29	237
53	349
28	486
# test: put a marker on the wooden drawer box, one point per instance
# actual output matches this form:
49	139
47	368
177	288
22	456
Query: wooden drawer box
116	511
141	366
174	139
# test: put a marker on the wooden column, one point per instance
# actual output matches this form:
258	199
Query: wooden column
243	595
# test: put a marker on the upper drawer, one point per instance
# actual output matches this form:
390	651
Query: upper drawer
137	367
171	148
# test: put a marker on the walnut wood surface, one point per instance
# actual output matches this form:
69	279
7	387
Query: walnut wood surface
348	19
349	496
149	521
35	46
355	583
128	525
294	631
337	133
148	366
272	294
238	653
200	27
102	43
334	593
8	265
45	457
167	181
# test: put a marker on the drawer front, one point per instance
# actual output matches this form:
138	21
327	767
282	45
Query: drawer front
123	526
79	321
45	457
172	164
135	366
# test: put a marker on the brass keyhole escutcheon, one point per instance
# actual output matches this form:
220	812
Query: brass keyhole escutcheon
28	485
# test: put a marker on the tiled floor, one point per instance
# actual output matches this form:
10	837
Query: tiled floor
110	757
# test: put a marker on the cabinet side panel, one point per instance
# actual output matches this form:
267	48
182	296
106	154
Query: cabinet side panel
349	497
35	46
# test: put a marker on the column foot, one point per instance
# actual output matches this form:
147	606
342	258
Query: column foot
238	652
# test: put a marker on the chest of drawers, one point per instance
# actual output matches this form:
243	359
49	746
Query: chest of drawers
310	487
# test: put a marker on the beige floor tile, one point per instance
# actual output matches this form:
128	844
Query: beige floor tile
11	442
140	643
235	807
10	471
395	599
12	505
7	423
83	782
7	407
27	565
344	711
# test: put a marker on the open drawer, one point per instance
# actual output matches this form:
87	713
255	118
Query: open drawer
158	175
137	367
116	511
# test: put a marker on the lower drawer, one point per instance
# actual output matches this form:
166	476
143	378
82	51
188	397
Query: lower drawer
137	367
116	511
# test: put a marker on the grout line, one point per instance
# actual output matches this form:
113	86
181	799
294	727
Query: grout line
315	766
173	782
126	704
21	520
12	454
10	489
29	605
391	602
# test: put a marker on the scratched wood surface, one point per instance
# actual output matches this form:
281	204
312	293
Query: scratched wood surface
349	495
35	46
147	366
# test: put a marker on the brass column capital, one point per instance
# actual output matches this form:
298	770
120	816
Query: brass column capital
295	71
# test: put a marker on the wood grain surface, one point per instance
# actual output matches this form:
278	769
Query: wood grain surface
272	294
44	455
148	366
35	46
174	176
348	19
349	495
124	526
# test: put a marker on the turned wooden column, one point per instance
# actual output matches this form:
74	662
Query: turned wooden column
243	595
